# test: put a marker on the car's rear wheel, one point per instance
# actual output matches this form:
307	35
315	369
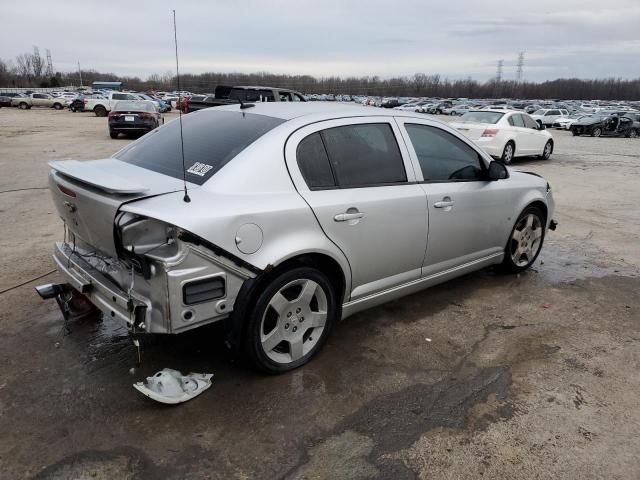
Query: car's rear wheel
290	320
113	134
508	153
548	150
100	111
633	133
23	106
596	132
57	106
525	241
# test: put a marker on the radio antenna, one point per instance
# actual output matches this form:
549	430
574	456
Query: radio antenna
184	172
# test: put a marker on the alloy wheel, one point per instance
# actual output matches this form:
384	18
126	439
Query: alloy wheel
293	321
507	155
525	240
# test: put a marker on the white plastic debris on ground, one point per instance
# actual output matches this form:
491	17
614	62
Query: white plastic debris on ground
170	386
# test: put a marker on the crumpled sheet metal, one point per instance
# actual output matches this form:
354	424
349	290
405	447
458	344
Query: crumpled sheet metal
171	386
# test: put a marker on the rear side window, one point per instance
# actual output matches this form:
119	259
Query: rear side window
314	162
442	156
516	120
364	155
211	140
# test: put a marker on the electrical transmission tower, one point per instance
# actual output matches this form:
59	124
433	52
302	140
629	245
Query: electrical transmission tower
519	71
49	72
499	71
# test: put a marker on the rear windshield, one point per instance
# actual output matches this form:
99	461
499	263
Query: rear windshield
481	117
142	106
211	140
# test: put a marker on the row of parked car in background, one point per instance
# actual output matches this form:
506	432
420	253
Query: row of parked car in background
595	118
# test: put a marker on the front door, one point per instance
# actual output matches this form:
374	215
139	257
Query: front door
358	180
469	216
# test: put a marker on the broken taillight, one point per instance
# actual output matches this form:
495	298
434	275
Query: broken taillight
66	191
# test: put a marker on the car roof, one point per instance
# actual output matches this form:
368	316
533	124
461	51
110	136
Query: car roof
319	110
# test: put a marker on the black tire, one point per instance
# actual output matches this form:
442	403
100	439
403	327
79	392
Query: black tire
539	122
574	133
100	111
508	153
23	106
633	133
113	134
548	150
596	132
508	263
258	308
57	106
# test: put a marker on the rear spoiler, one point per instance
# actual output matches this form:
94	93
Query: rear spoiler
96	177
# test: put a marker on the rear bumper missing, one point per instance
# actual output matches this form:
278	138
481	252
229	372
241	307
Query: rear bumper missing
101	291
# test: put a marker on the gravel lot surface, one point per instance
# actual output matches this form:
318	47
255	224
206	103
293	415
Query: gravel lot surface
529	376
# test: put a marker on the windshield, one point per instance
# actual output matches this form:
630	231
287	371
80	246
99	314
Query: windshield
211	140
540	112
481	117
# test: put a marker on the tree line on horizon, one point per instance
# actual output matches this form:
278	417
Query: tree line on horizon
29	70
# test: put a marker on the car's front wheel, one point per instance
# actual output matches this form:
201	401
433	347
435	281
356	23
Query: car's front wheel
290	320
596	132
633	133
525	241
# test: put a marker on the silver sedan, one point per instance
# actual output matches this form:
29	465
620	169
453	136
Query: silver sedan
281	219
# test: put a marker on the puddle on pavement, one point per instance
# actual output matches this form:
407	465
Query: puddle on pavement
574	259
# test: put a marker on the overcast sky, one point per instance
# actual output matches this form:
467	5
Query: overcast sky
456	38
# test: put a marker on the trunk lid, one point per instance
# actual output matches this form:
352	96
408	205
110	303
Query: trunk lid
473	131
88	195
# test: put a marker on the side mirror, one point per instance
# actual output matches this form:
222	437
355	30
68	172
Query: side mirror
541	126
497	171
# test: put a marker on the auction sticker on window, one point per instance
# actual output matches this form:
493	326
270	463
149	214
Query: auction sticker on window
199	169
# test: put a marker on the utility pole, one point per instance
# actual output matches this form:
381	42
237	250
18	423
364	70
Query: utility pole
80	72
49	72
519	71
498	86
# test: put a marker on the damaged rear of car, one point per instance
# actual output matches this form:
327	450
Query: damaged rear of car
144	267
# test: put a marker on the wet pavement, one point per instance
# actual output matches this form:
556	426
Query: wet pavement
489	375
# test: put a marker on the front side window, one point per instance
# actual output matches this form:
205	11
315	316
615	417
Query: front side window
442	156
364	155
530	122
119	96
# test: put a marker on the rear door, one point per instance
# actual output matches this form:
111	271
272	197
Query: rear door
469	216
358	180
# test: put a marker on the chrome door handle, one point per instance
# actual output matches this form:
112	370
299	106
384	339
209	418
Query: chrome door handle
345	217
444	203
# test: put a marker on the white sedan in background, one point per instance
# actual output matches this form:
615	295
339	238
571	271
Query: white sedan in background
505	134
